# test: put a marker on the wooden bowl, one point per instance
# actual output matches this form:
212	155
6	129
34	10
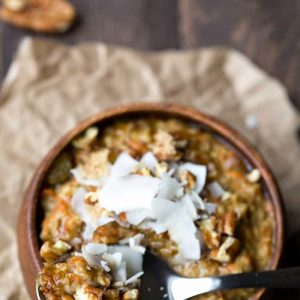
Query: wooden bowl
30	214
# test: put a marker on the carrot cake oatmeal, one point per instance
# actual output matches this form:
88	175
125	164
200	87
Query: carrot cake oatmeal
162	185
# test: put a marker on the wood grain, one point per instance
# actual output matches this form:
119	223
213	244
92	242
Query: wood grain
268	31
143	24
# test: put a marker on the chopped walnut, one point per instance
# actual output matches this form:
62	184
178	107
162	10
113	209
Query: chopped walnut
131	295
66	190
111	233
227	251
254	176
226	196
88	293
241	210
209	224
181	144
85	140
61	224
227	223
111	294
164	146
50	251
136	148
107	234
73	276
188	179
211	237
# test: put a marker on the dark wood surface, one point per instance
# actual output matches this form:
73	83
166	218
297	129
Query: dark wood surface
268	31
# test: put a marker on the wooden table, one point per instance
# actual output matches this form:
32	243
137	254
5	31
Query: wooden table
268	31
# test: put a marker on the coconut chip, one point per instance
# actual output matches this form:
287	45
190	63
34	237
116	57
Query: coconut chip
124	165
76	172
168	187
129	193
150	161
216	189
135	243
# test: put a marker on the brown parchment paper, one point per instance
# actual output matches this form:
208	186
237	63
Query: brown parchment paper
50	87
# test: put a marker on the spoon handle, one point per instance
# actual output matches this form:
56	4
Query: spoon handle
282	278
184	288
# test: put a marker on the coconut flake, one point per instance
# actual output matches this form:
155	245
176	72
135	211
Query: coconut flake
124	165
162	208
180	226
211	208
134	260
183	231
78	205
134	278
135	217
135	243
105	266
216	189
113	260
129	193
75	241
189	206
86	181
149	160
120	274
199	203
153	225
168	187
95	248
92	253
199	171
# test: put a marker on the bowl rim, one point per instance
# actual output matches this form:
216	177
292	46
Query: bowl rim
27	227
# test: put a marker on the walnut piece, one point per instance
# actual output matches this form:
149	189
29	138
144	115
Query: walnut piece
131	295
227	252
188	179
85	140
88	293
50	16
227	223
50	251
254	176
211	237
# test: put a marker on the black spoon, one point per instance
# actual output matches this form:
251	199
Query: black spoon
160	282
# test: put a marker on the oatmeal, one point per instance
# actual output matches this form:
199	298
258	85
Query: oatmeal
163	185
